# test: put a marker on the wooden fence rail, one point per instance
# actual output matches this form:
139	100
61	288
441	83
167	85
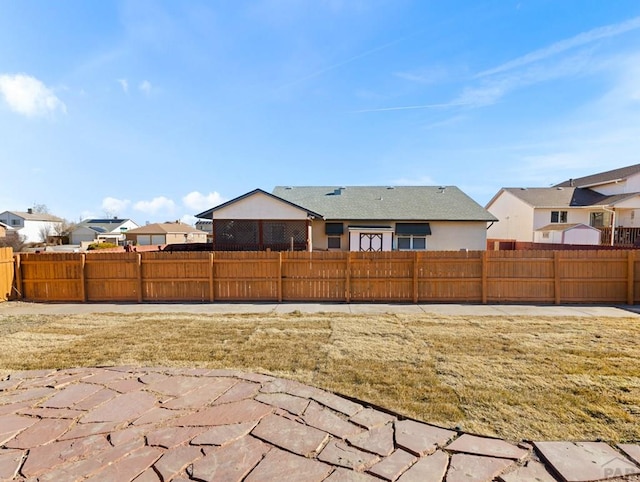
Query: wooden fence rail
433	276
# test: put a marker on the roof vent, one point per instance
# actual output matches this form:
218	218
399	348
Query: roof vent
288	187
390	187
337	192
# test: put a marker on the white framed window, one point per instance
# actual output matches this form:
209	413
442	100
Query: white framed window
545	234
334	242
558	216
412	243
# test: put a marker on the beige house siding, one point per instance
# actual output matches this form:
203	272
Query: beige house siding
445	235
516	218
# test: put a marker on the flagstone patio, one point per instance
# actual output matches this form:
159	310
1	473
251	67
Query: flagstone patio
159	424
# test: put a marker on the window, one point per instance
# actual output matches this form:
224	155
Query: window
15	222
412	243
600	219
333	242
558	216
545	234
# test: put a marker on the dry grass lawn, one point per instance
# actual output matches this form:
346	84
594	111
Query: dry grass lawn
517	378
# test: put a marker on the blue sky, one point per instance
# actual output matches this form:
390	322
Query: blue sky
157	110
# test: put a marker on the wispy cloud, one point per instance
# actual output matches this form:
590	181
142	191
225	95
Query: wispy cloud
145	87
157	204
114	206
124	84
200	202
413	107
28	96
424	76
564	45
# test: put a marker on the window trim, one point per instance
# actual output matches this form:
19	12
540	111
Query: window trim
411	239
561	217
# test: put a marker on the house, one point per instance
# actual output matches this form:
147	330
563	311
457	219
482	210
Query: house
165	233
353	218
602	201
110	230
33	226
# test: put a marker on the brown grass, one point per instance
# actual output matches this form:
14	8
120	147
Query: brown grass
516	378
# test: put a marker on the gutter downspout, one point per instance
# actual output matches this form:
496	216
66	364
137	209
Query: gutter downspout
613	221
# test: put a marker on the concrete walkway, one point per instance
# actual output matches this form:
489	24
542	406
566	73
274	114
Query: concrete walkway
161	424
26	308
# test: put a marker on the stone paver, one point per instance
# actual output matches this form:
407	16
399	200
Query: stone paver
474	468
420	438
289	435
586	461
156	424
489	447
338	452
281	465
632	451
431	468
531	472
391	467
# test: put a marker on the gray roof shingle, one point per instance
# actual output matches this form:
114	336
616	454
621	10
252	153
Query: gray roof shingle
386	203
602	177
558	197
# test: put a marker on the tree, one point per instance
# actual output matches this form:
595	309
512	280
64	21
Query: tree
64	228
40	208
13	240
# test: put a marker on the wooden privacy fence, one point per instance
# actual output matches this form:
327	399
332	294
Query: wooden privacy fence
6	273
431	276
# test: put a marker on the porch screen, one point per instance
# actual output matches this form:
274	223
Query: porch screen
258	235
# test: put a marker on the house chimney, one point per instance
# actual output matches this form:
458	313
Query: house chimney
570	182
30	210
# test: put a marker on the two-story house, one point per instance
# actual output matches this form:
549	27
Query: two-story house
571	211
34	227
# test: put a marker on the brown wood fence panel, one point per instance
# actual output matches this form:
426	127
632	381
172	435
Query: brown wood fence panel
382	276
602	279
6	273
477	276
316	276
111	276
52	276
178	276
246	276
454	276
520	276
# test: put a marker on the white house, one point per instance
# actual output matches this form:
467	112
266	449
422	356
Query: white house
353	218
601	201
33	226
101	230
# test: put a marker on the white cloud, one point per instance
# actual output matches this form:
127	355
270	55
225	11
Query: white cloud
114	206
145	87
124	84
159	203
28	96
188	219
201	202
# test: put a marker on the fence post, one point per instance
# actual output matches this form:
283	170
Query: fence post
415	276
631	274
485	270
83	278
279	276
18	272
556	277
212	289
139	264
348	279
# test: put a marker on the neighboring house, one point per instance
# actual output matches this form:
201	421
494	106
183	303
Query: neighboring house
101	230
3	230
165	233
354	218
206	225
602	201
35	227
